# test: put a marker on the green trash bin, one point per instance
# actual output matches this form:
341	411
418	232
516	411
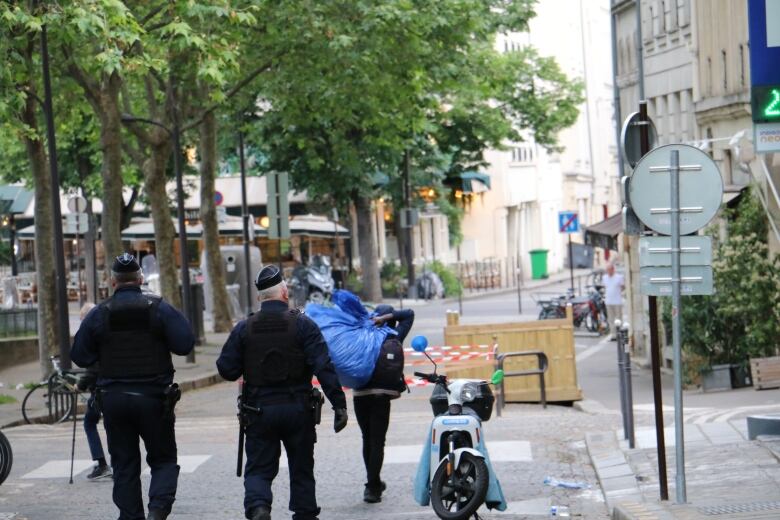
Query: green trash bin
538	263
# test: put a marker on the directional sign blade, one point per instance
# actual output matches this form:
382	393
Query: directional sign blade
657	251
657	281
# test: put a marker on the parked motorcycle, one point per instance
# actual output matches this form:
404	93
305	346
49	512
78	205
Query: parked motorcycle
589	311
312	282
455	474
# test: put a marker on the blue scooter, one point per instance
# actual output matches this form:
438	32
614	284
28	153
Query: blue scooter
455	474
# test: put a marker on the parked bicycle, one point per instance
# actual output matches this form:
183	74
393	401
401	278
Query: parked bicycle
6	457
57	396
588	311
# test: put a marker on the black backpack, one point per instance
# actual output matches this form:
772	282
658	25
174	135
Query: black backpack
389	370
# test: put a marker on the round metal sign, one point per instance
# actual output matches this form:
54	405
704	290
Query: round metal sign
218	198
630	138
77	204
701	189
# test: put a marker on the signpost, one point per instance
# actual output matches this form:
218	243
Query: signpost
569	222
631	137
764	37
632	226
278	187
676	190
278	206
77	222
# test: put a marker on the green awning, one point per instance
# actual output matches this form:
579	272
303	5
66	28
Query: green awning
473	182
14	199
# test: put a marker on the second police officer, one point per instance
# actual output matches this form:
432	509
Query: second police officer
277	350
132	336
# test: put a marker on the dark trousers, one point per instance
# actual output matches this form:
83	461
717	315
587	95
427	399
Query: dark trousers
91	420
373	416
290	424
129	419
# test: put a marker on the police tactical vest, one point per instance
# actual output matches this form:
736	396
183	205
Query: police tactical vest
272	354
134	346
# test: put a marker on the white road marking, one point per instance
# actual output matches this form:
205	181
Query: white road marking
59	469
187	463
510	451
595	349
403	454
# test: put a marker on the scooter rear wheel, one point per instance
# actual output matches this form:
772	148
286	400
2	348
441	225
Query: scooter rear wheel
460	501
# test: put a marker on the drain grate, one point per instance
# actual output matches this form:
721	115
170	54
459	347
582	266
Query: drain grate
750	507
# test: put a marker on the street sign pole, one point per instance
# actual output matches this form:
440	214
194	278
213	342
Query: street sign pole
655	354
245	220
571	265
679	434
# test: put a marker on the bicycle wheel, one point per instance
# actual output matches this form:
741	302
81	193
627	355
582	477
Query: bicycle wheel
6	457
35	402
50	402
62	401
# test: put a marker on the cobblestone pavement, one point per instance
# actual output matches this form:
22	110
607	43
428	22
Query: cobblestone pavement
529	444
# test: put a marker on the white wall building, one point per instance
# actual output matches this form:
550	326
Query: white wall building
529	185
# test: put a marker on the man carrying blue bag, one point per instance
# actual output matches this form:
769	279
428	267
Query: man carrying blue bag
367	351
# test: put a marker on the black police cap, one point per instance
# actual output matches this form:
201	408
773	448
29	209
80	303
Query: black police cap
125	263
268	276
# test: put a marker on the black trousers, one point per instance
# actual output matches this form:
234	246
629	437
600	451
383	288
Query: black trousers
128	420
373	417
290	424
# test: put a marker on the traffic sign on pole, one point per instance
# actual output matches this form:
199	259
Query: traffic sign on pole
568	222
701	189
631	139
278	205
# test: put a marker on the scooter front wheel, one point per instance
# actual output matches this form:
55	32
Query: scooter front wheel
459	497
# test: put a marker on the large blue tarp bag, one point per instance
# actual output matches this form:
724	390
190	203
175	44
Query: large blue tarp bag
353	339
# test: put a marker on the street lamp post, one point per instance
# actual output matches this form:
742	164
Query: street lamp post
185	268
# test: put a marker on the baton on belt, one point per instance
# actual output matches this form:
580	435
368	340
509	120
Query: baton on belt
241	426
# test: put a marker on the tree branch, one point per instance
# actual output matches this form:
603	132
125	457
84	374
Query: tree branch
91	87
137	130
230	93
151	14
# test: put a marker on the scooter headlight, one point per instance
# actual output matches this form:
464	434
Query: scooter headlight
469	392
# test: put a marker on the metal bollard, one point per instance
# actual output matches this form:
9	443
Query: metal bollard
623	332
621	376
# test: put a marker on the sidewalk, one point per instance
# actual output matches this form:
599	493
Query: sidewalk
527	286
190	376
726	475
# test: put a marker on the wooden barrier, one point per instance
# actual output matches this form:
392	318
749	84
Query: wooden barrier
553	337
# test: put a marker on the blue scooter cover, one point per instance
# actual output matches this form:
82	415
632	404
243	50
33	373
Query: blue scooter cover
422	486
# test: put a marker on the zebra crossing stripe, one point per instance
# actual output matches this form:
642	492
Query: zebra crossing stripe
59	469
187	463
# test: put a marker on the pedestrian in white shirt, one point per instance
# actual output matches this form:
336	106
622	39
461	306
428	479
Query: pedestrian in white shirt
613	297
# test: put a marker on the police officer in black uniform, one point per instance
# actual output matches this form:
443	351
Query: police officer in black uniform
132	336
277	350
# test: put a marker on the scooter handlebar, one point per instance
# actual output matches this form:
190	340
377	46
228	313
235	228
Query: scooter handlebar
432	378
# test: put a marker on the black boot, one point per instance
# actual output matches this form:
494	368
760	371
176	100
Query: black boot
157	514
260	513
373	495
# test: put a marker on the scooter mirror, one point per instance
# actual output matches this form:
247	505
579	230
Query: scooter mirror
419	343
498	377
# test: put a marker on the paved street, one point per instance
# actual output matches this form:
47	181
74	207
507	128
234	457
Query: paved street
527	444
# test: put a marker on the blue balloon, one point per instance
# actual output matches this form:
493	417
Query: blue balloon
420	343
